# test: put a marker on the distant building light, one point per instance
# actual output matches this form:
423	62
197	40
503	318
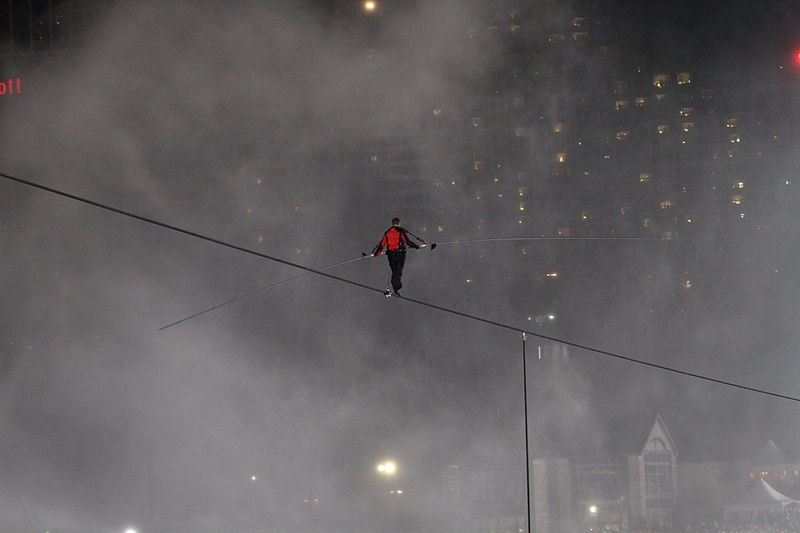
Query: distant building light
645	177
660	80
684	78
552	274
640	101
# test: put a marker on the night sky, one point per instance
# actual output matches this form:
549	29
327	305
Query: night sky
233	122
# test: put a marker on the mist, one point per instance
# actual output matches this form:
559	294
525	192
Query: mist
255	124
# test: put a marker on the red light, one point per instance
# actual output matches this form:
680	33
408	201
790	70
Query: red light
797	57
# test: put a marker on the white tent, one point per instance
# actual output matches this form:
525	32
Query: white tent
760	498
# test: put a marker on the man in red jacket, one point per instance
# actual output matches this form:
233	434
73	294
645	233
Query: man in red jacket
395	241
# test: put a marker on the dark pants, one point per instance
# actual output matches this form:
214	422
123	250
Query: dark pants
396	262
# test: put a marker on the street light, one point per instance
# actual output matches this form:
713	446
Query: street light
370	6
388	468
593	514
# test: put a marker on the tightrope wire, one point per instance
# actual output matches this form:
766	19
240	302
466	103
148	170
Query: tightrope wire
406	299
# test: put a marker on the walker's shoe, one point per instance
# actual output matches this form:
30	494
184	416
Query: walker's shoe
397	293
387	293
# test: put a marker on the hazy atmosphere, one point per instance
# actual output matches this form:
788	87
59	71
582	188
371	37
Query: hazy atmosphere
261	124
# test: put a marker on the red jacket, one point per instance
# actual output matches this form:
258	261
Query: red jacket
394	240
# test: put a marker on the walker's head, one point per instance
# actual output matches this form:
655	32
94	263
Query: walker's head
395	221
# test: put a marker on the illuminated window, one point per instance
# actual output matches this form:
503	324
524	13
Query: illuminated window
730	154
660	80
373	158
660	96
619	105
259	181
737	199
437	111
559	127
687	126
580	36
731	122
686	111
644	177
623	135
561	157
620	87
477	165
522	191
522	205
438	184
662	128
684	78
665	204
580	22
519	131
555	38
496	179
552	274
514	28
565	231
647	222
641	101
689	219
440	228
624	210
734	138
476	121
586	216
738	184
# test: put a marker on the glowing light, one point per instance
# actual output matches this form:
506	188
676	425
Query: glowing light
592	509
370	6
130	530
253	478
389	468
